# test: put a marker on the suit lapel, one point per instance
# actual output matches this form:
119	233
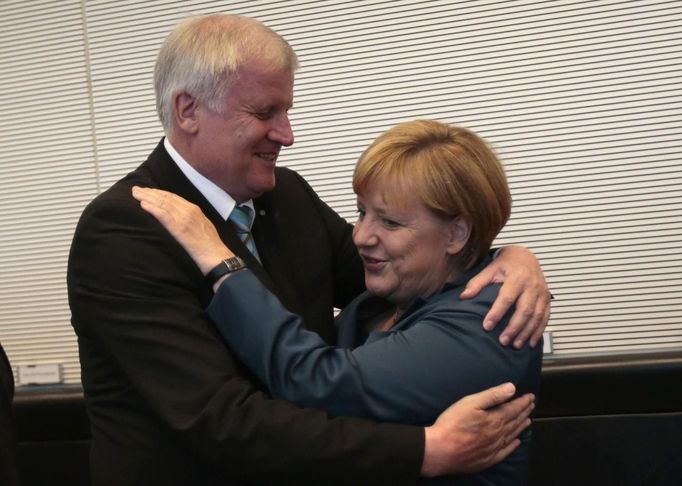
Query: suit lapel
169	177
270	234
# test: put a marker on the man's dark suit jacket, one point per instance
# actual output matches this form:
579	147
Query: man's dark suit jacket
167	401
8	465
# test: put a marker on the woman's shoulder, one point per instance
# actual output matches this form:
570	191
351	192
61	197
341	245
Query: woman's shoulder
448	300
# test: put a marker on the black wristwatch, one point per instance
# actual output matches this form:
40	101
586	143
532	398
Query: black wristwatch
228	265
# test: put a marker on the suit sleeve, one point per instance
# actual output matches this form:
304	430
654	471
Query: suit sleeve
410	375
349	276
134	292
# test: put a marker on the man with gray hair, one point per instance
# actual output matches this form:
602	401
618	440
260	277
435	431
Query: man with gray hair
168	404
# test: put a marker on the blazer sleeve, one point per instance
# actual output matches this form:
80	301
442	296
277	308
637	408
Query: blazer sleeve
134	292
408	375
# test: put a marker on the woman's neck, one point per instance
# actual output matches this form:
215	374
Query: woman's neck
401	307
389	322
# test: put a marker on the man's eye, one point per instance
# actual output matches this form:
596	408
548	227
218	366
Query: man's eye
361	213
262	115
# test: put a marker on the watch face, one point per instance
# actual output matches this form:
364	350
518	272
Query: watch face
234	263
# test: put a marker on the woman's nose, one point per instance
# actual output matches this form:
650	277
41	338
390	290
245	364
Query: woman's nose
362	234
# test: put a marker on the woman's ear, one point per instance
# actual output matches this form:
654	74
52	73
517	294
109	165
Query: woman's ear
185	108
460	229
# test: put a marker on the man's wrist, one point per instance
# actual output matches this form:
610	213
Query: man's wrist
433	453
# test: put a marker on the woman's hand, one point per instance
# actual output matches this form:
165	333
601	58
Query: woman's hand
187	224
523	284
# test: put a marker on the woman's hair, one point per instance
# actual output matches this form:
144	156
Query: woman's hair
202	54
451	170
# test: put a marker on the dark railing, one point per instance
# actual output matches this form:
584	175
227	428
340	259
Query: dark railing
599	421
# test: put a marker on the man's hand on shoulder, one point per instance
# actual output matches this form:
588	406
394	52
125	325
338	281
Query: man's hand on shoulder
476	432
523	284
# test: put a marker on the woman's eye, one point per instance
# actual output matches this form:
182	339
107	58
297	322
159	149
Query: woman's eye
390	224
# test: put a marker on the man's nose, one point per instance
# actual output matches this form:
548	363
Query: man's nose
281	131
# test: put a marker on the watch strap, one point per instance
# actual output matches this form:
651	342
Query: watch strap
228	265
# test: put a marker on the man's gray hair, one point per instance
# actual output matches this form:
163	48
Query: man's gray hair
202	54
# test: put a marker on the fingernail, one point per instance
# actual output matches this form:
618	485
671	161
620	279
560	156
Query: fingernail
518	344
488	325
504	340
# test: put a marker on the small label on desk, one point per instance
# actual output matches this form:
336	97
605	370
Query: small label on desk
40	374
547	342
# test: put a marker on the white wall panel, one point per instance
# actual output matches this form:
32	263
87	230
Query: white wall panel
47	175
582	99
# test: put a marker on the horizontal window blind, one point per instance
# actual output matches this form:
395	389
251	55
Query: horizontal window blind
581	99
47	175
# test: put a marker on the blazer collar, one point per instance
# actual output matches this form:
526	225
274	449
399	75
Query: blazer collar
169	177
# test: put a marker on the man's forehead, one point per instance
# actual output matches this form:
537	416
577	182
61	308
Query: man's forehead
263	71
258	84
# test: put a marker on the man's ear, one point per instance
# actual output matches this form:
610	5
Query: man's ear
460	229
185	108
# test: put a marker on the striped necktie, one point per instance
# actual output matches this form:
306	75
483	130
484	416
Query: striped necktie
242	219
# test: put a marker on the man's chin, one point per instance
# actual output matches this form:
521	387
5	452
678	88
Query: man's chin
261	189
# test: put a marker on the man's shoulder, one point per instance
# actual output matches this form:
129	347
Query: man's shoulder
115	210
119	196
287	178
290	189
